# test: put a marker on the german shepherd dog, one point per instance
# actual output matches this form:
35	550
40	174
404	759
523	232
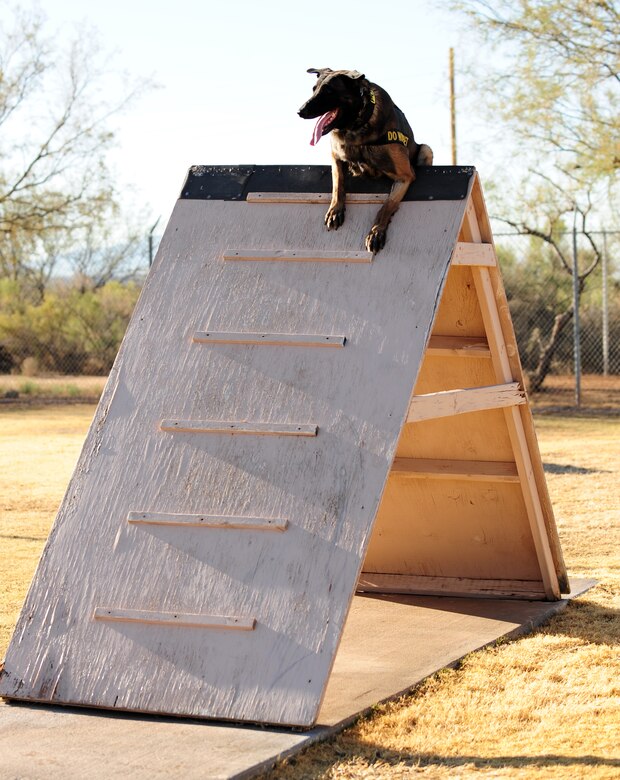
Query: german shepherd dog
369	134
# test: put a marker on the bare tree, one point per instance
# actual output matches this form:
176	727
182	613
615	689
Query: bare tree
553	234
55	134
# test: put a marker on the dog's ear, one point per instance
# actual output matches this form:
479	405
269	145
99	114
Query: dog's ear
319	71
354	74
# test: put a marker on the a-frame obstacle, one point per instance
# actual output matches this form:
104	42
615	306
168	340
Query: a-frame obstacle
288	419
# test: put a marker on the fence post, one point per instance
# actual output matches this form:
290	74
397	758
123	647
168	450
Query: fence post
576	334
605	309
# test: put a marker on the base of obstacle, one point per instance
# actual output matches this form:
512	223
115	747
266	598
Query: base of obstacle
390	644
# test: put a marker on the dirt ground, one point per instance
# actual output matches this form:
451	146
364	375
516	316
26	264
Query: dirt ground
543	706
598	394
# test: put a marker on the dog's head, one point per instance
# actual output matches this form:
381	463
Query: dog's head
336	100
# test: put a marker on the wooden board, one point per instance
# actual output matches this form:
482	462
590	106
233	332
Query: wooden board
297	584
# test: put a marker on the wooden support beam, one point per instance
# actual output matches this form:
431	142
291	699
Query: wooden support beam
242	428
208	521
514	420
458	346
466	253
312	197
297	256
474	470
174	619
371	582
476	399
269	339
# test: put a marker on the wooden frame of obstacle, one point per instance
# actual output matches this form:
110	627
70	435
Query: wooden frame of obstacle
469	466
289	419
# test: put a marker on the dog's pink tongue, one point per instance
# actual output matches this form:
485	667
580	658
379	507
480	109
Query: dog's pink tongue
322	122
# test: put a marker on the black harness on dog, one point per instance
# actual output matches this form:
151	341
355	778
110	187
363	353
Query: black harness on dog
391	136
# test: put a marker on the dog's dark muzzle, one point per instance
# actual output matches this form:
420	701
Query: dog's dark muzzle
309	110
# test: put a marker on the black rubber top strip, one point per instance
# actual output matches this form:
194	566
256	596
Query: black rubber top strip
233	182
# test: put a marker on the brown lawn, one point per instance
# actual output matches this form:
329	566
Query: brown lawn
544	706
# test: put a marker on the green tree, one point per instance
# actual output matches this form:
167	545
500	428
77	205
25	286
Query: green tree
551	80
554	79
71	331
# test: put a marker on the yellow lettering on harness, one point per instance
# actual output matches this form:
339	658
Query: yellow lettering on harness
373	99
396	135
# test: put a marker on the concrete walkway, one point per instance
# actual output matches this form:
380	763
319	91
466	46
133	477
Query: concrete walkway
390	644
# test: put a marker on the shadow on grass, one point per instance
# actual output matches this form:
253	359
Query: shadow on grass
398	759
23	538
588	621
561	468
382	759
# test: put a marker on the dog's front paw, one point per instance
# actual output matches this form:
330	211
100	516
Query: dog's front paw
375	240
334	217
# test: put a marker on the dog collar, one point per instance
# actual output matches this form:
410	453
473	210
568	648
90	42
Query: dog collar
369	97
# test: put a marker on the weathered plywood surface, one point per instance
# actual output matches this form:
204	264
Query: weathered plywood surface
296	584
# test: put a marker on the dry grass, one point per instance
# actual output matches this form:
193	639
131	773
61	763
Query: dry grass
52	387
598	393
38	450
544	706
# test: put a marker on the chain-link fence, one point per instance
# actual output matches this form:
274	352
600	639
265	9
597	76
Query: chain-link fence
69	322
76	330
568	359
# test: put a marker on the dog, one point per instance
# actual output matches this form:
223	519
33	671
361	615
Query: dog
370	134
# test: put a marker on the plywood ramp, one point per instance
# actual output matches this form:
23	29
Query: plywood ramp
288	419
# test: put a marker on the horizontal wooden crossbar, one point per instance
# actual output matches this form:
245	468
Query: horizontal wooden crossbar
244	428
312	197
458	346
208	521
476	399
466	253
370	582
176	619
269	339
476	470
297	256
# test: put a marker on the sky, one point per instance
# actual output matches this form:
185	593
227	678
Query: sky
231	76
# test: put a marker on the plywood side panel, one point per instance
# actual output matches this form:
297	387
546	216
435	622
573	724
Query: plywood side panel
464	437
439	373
459	313
452	529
